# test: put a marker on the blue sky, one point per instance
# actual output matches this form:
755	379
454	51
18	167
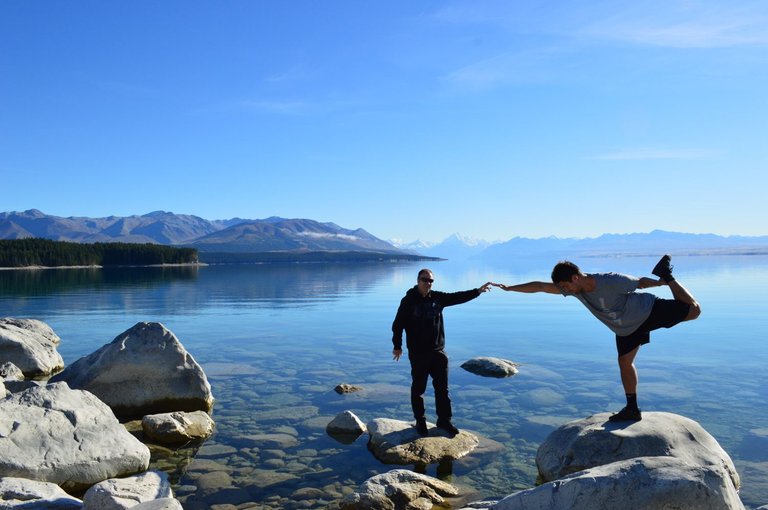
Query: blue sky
413	120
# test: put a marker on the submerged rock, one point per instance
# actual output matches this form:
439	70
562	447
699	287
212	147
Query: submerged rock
346	388
399	489
69	437
491	367
30	344
640	483
144	370
397	442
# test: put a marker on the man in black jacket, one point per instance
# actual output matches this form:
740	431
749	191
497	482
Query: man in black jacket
421	316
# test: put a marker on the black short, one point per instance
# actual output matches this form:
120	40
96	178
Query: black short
664	314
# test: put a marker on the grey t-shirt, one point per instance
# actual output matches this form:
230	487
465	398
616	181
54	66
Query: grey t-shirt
615	302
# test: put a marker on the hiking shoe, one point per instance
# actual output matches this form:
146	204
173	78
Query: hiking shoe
664	269
627	414
447	426
421	427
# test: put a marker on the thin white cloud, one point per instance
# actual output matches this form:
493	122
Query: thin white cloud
665	23
524	66
684	24
657	154
328	235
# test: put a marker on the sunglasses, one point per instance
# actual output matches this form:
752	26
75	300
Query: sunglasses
427	280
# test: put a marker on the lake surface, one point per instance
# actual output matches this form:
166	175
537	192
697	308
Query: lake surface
275	340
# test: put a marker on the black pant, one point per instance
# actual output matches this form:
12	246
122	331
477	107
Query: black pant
424	365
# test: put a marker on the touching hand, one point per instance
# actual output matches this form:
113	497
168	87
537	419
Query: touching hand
396	353
486	287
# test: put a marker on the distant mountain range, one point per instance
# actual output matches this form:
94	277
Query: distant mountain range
239	236
223	236
454	247
636	244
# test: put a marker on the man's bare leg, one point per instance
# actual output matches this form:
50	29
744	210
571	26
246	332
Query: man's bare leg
629	380
628	371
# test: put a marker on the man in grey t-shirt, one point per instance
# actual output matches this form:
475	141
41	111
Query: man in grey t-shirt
631	315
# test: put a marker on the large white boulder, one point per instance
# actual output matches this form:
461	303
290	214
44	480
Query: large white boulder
645	483
594	441
30	344
20	493
397	442
69	437
399	489
178	427
123	493
145	370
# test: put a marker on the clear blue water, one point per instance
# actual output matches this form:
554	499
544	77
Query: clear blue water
276	339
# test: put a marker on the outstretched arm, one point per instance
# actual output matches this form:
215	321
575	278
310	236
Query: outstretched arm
530	287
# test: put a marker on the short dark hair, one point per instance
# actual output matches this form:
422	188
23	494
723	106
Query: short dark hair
564	270
424	271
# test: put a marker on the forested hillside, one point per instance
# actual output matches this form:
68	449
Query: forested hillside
44	252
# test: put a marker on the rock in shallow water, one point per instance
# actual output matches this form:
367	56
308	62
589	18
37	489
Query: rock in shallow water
491	367
595	441
346	388
30	344
123	493
397	442
20	493
399	489
144	370
644	483
346	423
178	427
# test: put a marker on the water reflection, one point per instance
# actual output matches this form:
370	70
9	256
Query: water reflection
169	291
43	282
286	284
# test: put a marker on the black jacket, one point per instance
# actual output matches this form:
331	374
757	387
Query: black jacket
422	318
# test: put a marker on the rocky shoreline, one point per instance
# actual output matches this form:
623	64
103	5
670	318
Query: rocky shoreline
145	379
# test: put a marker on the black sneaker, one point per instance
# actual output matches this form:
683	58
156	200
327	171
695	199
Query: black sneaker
447	426
627	414
664	269
421	427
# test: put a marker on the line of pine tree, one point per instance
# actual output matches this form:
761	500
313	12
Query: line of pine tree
44	252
